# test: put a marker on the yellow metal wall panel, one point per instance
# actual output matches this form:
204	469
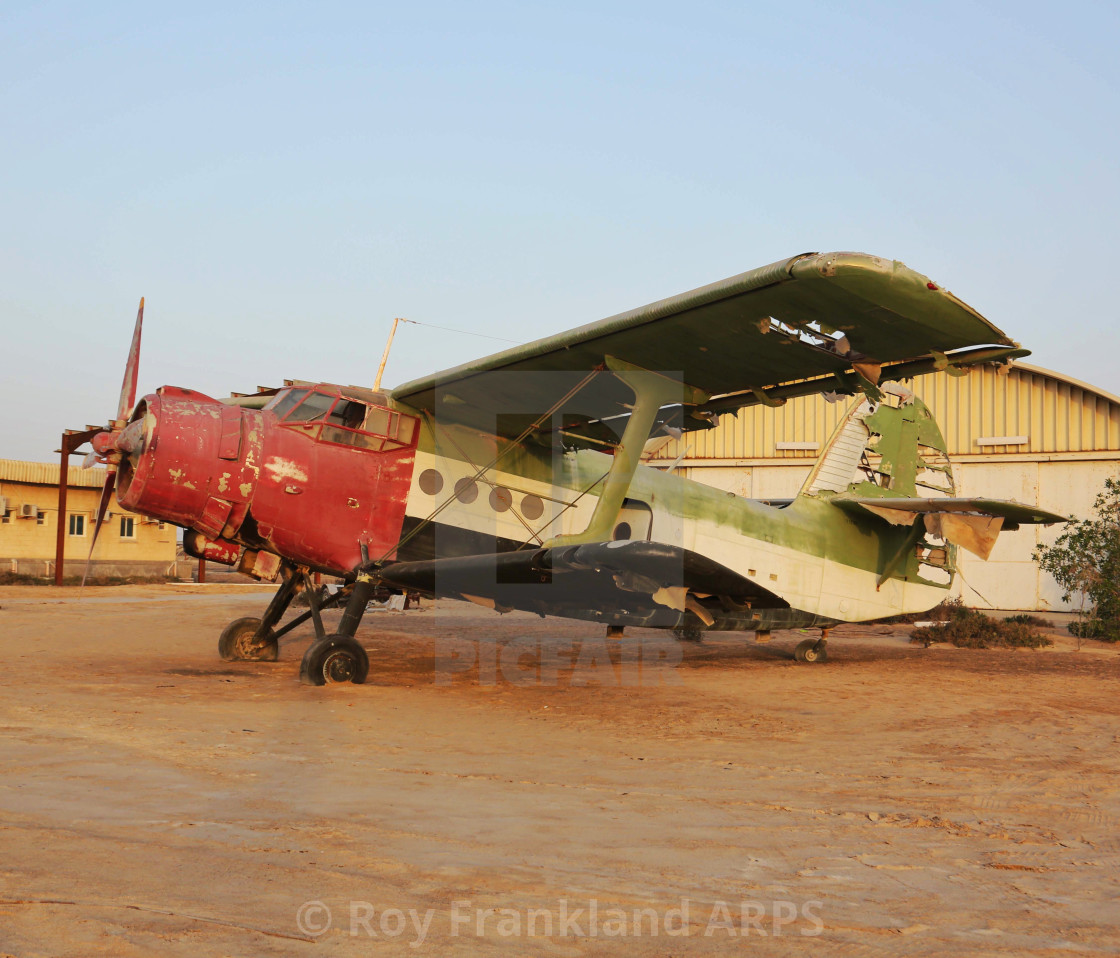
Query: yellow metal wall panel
1056	414
46	474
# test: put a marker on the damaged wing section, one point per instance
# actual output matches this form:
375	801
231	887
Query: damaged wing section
973	524
627	582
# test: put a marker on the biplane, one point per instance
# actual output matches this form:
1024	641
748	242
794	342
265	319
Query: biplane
517	482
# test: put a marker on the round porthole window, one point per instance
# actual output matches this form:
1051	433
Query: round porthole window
431	482
500	499
466	490
623	531
532	507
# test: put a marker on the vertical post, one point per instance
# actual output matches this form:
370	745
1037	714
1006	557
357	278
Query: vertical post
201	571
60	533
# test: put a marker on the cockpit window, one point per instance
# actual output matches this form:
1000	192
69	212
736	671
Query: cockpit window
314	407
285	400
350	414
330	417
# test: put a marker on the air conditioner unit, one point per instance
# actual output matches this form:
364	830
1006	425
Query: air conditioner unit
28	511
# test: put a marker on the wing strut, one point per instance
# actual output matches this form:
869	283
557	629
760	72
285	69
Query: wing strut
651	392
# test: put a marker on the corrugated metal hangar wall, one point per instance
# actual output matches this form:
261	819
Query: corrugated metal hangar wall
1026	433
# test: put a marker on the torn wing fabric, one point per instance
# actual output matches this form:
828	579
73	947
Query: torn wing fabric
975	533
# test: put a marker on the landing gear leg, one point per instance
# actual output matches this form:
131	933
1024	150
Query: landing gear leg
340	657
252	639
813	650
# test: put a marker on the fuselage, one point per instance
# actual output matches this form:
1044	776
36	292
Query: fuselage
329	478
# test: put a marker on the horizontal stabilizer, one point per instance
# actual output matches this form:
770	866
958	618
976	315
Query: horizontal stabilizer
973	524
1010	511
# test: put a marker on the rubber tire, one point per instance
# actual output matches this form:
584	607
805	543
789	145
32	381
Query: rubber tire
234	644
334	659
807	651
688	633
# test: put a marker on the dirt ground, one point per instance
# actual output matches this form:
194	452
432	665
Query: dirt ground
518	786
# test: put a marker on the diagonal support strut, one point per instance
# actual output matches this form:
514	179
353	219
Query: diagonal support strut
651	392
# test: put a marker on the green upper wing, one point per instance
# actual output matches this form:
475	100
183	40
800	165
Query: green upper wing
819	321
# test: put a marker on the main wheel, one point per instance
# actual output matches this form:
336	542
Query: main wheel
237	642
811	650
336	658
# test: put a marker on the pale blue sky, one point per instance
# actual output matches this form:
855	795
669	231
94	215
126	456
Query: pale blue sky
280	180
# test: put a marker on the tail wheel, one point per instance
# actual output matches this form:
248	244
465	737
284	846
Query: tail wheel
336	658
238	642
688	633
811	650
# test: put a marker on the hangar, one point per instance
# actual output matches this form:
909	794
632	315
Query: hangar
1018	432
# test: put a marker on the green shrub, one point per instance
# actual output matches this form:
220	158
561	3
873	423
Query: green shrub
1085	562
1097	629
970	629
1027	619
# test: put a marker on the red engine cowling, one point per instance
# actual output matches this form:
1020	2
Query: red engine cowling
202	464
197	465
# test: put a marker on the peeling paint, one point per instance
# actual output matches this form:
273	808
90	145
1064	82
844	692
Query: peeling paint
671	596
282	469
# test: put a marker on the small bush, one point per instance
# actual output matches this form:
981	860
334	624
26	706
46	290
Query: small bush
1085	562
1025	618
1097	629
970	629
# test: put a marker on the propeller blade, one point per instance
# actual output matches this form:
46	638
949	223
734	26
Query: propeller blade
132	368
102	508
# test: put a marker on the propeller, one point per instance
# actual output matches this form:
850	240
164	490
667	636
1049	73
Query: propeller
119	439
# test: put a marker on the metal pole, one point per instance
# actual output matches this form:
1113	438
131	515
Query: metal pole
72	439
201	571
385	355
60	533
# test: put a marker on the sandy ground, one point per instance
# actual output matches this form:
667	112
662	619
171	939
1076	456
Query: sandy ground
157	801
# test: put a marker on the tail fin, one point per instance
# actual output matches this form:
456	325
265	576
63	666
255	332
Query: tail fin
884	449
891	461
836	468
